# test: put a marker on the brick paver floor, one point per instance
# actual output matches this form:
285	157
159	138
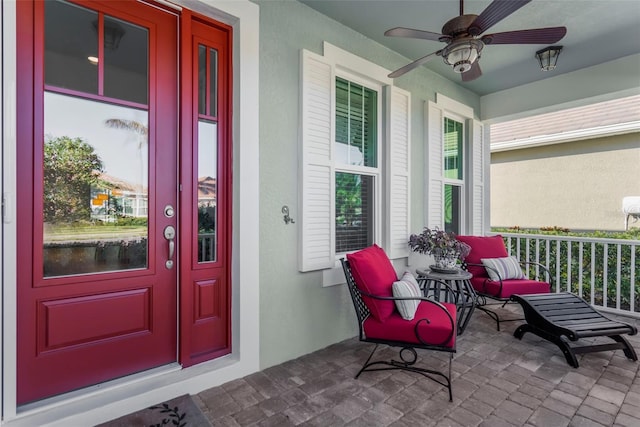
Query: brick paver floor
497	381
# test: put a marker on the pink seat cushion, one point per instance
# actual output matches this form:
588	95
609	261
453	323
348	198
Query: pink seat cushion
437	332
486	286
374	274
483	247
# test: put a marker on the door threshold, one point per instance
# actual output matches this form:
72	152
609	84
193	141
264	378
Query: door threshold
88	392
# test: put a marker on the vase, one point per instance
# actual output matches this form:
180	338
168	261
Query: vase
447	260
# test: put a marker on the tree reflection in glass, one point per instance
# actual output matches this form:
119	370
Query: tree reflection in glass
95	201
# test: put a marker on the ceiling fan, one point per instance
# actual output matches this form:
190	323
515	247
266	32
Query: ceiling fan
462	35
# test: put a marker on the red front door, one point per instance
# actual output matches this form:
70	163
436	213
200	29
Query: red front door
97	160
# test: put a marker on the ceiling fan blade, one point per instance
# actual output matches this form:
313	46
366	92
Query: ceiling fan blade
400	71
473	73
534	36
494	13
415	34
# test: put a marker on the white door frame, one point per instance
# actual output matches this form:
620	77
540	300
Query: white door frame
123	396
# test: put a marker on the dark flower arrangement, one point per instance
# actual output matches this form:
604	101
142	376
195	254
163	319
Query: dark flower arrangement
438	243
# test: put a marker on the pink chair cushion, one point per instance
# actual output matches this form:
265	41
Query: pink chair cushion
486	286
395	328
374	274
483	247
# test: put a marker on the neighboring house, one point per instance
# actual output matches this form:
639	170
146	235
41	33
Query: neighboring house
116	197
288	108
206	191
569	169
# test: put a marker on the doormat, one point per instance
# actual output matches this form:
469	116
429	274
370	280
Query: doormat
181	411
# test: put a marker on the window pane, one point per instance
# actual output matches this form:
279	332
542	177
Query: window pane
70	37
202	79
452	149
95	200
207	81
356	124
213	82
354	211
207	190
126	58
452	208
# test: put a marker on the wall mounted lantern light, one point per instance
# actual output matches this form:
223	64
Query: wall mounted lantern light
548	57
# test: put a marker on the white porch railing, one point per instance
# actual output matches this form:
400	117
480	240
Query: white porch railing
605	272
206	247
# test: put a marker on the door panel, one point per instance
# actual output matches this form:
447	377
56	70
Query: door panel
96	299
205	291
98	145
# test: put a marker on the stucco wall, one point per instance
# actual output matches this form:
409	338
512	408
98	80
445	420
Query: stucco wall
578	185
297	314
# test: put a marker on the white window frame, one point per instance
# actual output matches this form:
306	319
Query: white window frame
317	162
460	183
475	161
375	172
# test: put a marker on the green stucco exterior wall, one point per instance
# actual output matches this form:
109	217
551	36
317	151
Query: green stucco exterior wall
315	316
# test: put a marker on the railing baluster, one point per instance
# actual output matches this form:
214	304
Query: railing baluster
593	272
568	266
605	271
580	266
632	280
538	257
548	259
558	259
618	275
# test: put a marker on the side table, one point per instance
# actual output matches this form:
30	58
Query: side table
461	286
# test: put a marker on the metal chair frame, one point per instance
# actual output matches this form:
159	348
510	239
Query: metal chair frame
482	303
407	353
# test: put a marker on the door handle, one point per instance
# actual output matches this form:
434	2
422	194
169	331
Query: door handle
170	234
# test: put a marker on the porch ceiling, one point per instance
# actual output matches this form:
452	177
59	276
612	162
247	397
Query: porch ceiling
597	31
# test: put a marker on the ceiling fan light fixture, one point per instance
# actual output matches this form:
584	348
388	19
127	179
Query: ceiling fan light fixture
548	57
462	54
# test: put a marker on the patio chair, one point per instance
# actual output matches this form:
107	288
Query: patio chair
498	276
394	313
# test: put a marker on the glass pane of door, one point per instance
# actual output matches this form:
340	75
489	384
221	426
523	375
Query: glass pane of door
126	48
207	191
207	148
71	47
95	186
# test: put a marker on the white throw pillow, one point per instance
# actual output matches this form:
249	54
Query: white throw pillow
406	287
506	268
